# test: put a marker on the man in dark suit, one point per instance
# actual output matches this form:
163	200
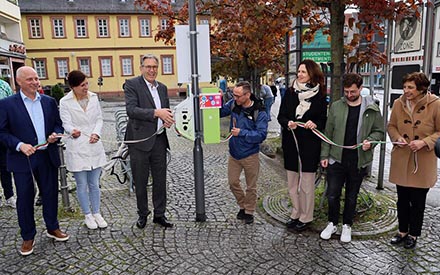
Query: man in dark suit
28	119
148	110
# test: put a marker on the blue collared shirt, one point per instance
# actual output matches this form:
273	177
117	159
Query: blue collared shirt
35	111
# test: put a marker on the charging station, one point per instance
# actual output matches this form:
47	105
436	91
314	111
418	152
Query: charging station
210	101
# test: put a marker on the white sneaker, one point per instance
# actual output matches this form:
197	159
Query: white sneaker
90	222
11	202
100	220
346	233
328	231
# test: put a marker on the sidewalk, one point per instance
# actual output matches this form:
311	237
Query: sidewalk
221	245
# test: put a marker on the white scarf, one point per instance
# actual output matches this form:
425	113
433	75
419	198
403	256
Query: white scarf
304	93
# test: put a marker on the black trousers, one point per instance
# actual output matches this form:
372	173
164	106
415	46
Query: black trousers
337	175
5	175
410	209
141	163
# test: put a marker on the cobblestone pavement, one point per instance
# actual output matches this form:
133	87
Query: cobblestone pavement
221	245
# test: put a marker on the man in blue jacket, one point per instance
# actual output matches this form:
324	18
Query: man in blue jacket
249	129
29	124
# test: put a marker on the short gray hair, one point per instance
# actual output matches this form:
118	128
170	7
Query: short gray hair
149	56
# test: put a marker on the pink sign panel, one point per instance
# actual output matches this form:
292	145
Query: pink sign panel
208	101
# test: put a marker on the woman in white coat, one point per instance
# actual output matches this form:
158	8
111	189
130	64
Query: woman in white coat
82	120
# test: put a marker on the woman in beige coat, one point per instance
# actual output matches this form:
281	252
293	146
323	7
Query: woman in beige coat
415	124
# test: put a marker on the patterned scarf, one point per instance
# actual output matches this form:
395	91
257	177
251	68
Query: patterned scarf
304	94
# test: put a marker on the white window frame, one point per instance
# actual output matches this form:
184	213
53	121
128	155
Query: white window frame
85	68
124	27
204	21
58	27
167	65
103	29
62	67
145	27
163	23
40	68
81	30
35	28
106	66
127	66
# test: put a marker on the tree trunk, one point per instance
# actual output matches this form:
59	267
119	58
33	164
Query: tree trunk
337	9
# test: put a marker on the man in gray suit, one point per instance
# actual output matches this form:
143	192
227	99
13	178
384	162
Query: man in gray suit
148	109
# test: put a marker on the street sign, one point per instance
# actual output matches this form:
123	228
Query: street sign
184	58
317	56
408	34
320	41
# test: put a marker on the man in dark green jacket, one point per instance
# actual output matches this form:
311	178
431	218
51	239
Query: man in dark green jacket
351	120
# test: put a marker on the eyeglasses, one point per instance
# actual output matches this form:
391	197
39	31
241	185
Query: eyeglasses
350	92
238	96
150	67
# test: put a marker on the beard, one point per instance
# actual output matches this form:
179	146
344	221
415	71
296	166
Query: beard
352	98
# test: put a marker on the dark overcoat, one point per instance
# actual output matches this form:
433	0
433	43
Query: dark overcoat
308	143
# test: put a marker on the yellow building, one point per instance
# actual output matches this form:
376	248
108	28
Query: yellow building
103	38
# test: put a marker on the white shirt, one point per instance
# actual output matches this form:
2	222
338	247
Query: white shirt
155	94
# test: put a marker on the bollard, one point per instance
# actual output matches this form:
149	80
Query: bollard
63	180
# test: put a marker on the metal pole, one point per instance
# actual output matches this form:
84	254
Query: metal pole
369	167
372	72
63	180
198	150
429	35
385	102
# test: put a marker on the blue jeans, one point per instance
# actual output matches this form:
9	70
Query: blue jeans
87	189
337	175
268	105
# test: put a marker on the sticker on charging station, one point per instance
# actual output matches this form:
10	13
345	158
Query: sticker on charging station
208	101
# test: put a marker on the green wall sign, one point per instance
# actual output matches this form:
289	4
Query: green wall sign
317	56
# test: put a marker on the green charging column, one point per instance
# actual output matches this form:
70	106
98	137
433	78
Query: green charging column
210	102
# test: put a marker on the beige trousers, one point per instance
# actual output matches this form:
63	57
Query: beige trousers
303	200
247	200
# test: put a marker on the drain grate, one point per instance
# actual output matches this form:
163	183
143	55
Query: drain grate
277	206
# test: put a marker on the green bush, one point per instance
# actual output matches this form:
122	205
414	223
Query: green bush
57	92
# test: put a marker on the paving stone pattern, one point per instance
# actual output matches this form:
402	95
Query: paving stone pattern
221	245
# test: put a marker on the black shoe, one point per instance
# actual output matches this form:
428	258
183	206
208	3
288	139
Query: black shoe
248	218
300	226
410	242
291	223
39	201
162	221
141	222
398	238
240	215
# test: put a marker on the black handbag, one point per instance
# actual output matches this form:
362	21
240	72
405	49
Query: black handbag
437	148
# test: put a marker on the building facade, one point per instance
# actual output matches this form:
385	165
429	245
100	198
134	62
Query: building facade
12	49
106	39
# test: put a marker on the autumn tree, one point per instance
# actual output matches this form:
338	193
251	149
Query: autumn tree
371	18
248	36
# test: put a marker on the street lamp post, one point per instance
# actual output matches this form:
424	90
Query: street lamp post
198	150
